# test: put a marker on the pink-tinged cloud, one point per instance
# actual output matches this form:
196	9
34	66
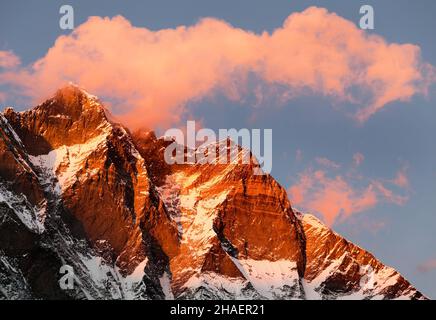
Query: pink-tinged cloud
401	179
358	159
330	197
389	195
327	163
427	266
152	75
338	196
8	60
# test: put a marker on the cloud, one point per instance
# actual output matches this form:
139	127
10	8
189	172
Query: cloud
389	195
358	159
427	266
327	163
152	75
338	196
330	197
401	179
8	60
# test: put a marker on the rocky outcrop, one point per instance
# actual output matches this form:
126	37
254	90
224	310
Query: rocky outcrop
336	268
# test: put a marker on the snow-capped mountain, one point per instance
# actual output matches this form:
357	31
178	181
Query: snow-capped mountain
78	189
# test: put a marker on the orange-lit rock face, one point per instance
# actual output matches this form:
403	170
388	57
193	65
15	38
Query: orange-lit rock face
70	117
222	212
155	230
346	263
95	169
14	168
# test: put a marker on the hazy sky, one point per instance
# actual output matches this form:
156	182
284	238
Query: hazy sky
318	147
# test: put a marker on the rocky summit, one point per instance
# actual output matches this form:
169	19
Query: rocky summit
79	189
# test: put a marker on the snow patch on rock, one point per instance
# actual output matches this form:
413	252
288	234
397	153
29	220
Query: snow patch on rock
64	162
271	279
111	279
33	217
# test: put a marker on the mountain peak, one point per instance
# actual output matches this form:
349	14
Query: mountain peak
71	100
71	89
70	116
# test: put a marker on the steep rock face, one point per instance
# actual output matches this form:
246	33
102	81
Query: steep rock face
15	168
98	177
27	265
17	176
70	117
222	211
77	188
152	151
336	268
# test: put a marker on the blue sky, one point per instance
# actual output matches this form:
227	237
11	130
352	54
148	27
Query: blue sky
400	135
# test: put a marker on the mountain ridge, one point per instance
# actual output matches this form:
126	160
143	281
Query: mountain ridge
100	198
